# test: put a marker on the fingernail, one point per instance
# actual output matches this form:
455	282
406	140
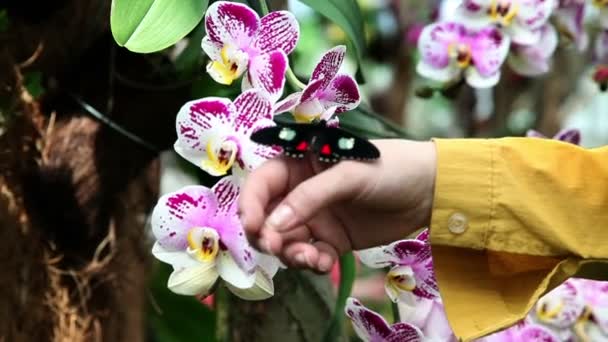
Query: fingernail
265	246
280	217
300	259
325	263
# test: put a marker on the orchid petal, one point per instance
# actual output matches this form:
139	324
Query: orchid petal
418	313
423	236
572	136
199	122
437	325
288	103
231	23
534	13
268	263
226	191
375	257
230	271
177	212
327	68
522	35
404	332
267	71
406	252
311	91
213	49
368	325
561	307
342	92
252	105
263	288
535	134
177	259
443	75
278	30
254	155
601	47
434	43
489	49
537	333
476	80
534	60
569	19
193	281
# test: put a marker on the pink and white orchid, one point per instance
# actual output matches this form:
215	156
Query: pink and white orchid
411	274
449	49
327	92
371	327
213	133
534	60
594	321
524	332
199	233
568	135
559	309
238	40
430	317
519	19
570	21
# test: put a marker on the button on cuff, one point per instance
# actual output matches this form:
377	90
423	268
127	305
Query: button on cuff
458	223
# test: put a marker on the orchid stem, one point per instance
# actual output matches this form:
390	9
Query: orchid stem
264	7
293	79
395	309
348	272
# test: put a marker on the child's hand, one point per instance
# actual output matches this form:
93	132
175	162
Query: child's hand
308	216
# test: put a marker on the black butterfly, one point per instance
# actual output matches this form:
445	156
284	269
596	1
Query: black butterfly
330	144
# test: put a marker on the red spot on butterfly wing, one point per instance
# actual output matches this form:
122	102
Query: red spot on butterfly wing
326	149
302	146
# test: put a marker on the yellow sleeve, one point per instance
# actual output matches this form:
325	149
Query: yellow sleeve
513	218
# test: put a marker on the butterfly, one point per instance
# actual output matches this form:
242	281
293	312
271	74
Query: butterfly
330	144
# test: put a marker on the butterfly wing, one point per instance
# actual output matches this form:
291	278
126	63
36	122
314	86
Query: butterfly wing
333	144
295	139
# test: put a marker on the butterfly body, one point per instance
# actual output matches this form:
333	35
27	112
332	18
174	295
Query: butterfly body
329	144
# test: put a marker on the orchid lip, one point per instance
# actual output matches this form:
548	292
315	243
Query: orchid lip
545	313
401	278
227	68
203	244
222	160
462	53
503	11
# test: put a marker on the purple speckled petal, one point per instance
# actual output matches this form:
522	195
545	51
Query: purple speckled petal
600	51
533	14
267	71
328	66
537	333
311	91
279	30
534	60
435	40
231	23
489	48
426	283
565	305
255	154
572	136
288	103
226	191
252	106
177	212
404	332
424	235
476	7
212	48
200	120
409	252
569	18
368	325
343	93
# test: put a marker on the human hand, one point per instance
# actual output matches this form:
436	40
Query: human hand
308	215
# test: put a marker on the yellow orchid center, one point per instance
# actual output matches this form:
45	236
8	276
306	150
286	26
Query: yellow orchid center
547	312
304	118
401	281
503	11
222	159
226	69
308	111
203	244
581	324
462	53
600	3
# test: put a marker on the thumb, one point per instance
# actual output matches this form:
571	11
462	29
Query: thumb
330	186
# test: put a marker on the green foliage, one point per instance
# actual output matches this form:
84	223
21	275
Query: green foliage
188	62
364	122
175	318
347	15
151	25
33	83
3	20
348	272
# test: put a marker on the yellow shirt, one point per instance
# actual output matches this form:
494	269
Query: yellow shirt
512	219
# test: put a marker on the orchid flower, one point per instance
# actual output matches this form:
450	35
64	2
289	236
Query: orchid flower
594	319
524	331
518	19
569	19
327	92
602	6
411	274
449	49
572	136
430	317
238	40
371	327
534	60
199	233
213	132
560	308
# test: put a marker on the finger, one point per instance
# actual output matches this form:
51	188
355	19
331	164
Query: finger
328	255
312	195
262	185
301	254
271	242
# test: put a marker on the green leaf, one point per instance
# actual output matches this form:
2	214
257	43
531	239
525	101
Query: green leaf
33	83
3	20
189	61
348	272
347	15
364	122
146	26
